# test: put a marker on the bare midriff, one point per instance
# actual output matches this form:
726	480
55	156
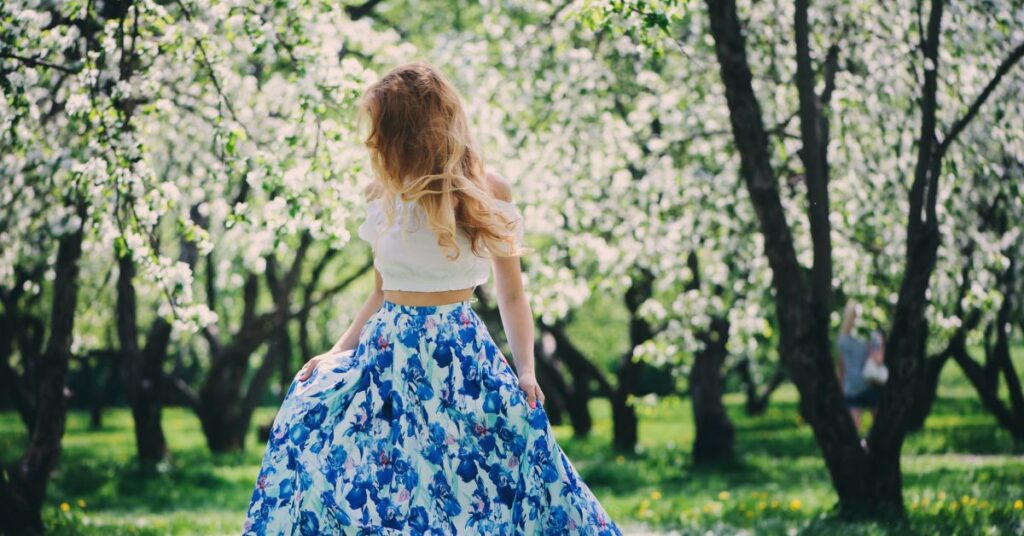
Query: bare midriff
408	297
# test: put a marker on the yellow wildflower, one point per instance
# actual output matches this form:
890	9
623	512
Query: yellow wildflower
81	503
64	507
723	495
655	495
795	504
1018	505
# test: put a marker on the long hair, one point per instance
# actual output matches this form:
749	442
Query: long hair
421	151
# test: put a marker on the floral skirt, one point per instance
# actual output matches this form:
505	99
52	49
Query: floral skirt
423	429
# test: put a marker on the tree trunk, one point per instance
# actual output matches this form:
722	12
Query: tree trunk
23	483
624	422
15	324
804	337
552	383
624	418
583	372
713	440
866	483
225	404
985	378
141	369
927	391
757	400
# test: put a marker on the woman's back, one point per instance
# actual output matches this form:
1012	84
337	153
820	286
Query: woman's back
409	258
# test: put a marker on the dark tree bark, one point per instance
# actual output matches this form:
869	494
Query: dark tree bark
714	434
23	483
223	397
101	364
21	327
928	386
141	370
358	11
758	397
865	483
803	329
714	438
583	372
225	402
624	420
985	377
552	383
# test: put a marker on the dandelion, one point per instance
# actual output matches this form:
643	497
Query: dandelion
81	503
941	496
655	495
65	507
1018	505
723	495
795	504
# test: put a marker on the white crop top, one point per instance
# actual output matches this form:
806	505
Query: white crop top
412	260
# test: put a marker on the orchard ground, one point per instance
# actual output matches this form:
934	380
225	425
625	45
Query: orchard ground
962	475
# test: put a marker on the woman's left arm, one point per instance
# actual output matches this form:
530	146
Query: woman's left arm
517	318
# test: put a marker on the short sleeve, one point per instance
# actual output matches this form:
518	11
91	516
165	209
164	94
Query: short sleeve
368	229
512	212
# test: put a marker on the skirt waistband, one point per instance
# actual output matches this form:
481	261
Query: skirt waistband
424	310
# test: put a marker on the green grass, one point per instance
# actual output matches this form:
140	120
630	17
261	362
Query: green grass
962	475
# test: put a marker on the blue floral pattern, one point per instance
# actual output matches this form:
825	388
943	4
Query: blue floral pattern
422	429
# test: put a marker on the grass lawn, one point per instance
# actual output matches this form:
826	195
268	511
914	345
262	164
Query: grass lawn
962	475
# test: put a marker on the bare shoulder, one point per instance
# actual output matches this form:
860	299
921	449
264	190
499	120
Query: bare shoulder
499	186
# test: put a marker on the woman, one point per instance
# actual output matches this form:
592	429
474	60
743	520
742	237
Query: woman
860	393
414	422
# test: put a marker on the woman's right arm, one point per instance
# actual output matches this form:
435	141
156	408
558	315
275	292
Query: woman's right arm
350	339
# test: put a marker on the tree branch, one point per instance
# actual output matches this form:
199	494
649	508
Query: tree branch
975	107
358	11
35	62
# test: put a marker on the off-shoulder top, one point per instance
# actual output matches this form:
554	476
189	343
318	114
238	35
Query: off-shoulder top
408	256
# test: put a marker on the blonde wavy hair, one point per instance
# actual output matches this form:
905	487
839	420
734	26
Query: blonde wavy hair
421	150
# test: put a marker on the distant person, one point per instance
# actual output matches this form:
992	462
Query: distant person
861	391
